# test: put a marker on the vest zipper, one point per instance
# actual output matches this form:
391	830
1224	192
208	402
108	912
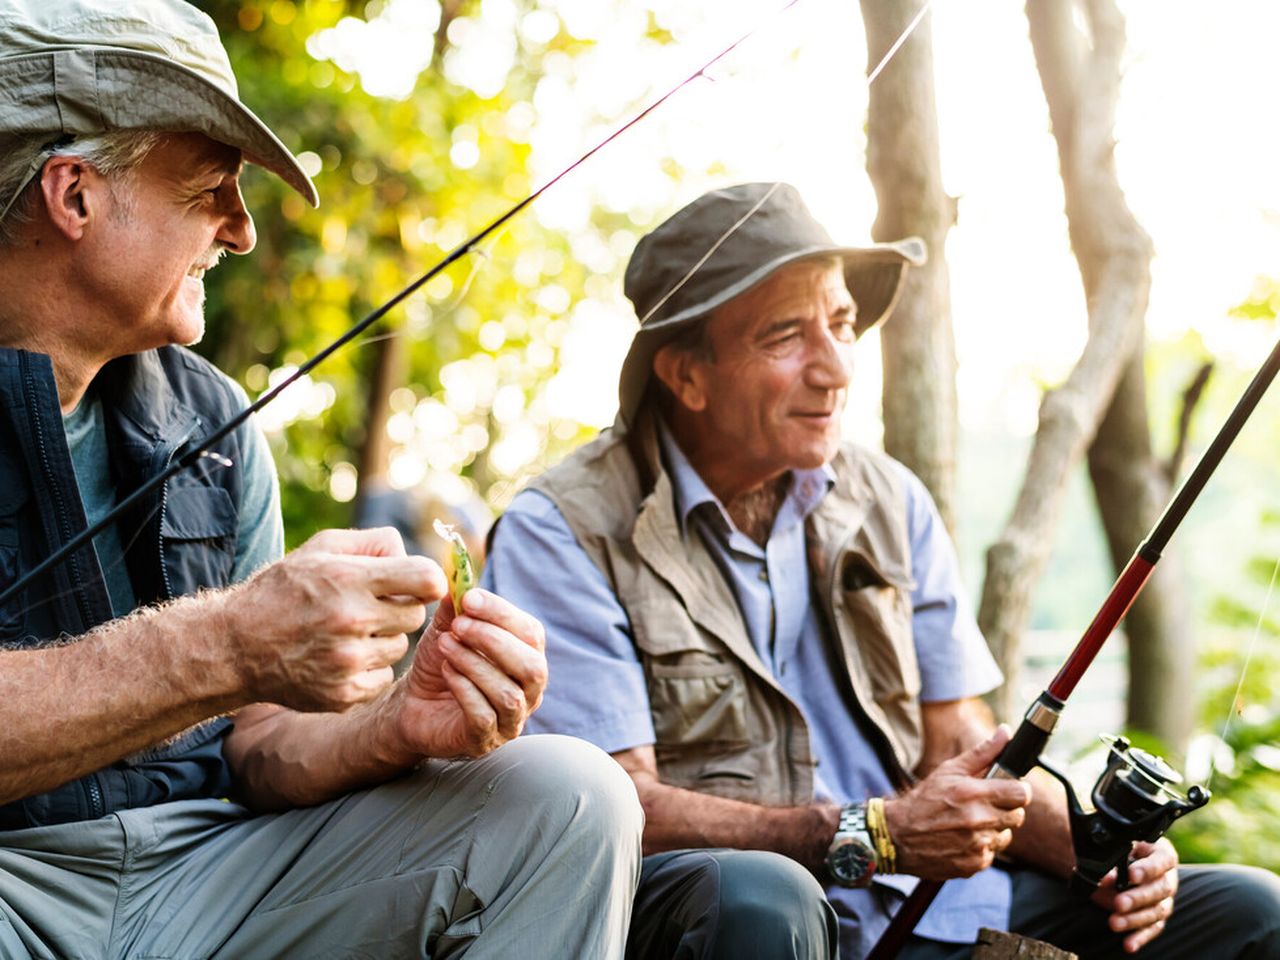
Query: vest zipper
55	488
97	807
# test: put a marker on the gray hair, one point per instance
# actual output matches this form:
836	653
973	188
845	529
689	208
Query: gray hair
112	154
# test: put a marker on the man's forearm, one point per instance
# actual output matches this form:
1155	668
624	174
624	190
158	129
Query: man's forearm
69	709
676	818
1044	840
281	758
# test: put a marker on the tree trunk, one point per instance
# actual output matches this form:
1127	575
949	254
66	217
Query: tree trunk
1081	78
998	945
1132	489
388	373
903	161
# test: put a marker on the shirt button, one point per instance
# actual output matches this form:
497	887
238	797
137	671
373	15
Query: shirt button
764	574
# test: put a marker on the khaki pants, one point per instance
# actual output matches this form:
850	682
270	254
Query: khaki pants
532	851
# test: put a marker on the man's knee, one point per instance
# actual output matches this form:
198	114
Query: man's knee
1245	899
562	779
767	890
716	904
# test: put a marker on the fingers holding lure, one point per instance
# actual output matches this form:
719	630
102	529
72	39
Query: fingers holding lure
459	567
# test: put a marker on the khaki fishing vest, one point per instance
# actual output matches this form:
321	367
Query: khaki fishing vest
723	724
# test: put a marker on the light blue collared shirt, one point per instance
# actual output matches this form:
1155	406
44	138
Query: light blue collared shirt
597	688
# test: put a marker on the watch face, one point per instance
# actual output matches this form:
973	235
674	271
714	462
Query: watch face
851	861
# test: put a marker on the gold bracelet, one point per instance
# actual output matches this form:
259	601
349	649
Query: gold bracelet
878	827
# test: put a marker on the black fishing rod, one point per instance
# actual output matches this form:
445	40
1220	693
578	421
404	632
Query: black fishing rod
1135	798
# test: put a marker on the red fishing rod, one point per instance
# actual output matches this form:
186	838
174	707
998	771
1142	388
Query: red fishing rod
1134	799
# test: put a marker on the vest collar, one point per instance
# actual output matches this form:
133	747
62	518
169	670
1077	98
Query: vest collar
679	557
135	387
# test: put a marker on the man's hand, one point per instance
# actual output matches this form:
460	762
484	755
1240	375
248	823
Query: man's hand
954	821
1141	911
475	679
320	629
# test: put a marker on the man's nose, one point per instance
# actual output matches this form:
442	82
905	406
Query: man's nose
831	363
237	232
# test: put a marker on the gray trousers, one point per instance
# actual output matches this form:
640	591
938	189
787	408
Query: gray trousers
730	905
532	851
749	905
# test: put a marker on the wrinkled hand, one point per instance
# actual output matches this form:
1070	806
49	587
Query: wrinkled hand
1141	911
475	679
954	821
320	629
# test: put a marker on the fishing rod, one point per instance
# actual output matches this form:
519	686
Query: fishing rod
1136	797
204	449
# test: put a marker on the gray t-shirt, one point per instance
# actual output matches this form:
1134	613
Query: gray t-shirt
260	538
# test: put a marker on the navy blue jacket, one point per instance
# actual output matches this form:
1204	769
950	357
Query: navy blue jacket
176	542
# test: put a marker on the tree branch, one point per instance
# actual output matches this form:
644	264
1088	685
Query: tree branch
1080	77
1191	397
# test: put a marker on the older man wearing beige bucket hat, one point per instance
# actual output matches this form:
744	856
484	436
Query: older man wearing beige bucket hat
765	625
203	752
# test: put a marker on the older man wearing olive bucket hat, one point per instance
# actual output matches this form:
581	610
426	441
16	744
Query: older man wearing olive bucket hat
727	588
232	770
766	627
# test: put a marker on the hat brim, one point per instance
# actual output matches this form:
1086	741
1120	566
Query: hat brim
132	90
875	277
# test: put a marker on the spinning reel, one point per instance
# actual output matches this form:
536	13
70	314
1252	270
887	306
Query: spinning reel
1134	799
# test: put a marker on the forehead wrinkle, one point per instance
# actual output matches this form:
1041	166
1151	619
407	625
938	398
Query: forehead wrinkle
788	296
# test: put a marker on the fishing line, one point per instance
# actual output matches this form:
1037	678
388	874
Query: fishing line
1235	706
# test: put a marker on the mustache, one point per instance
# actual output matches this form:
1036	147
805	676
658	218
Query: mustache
209	259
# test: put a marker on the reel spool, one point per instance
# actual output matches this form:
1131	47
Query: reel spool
1135	799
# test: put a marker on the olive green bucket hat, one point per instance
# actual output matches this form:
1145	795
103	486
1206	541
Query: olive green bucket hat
79	68
723	244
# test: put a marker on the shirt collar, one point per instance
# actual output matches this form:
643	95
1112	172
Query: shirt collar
808	487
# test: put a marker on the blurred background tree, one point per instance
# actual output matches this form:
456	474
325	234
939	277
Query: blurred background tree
415	121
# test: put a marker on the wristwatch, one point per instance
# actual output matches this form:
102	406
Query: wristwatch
852	858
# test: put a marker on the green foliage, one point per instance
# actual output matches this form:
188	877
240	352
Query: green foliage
1263	303
1241	708
402	182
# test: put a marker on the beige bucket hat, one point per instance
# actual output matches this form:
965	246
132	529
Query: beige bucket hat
86	67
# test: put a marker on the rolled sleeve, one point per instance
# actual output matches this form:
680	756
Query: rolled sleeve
596	689
955	661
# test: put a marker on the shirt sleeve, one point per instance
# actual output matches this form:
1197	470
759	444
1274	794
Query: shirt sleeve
260	537
955	661
596	688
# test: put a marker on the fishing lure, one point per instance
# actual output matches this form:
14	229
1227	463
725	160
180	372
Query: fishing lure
461	573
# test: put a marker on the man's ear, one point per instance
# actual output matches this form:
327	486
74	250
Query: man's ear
73	194
681	372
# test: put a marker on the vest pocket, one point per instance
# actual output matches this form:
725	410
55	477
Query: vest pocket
698	704
879	610
11	613
199	537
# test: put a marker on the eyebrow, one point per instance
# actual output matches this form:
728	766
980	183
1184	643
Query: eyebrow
778	326
228	164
